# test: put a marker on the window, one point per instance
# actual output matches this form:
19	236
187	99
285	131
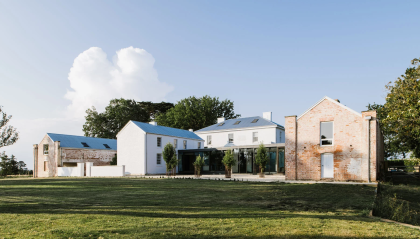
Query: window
327	133
221	124
45	165
254	136
107	146
85	145
208	139
185	144
255	121
158	159
45	149
230	138
159	142
199	145
237	122
176	143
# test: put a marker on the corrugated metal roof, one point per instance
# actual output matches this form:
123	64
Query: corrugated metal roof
245	123
162	130
73	141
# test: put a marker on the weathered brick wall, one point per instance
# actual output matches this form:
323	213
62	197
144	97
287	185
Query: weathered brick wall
97	156
290	147
50	159
349	147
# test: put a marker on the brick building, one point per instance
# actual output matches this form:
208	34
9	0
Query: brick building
59	150
333	142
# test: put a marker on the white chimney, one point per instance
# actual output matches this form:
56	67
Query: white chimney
191	130
153	123
220	120
267	115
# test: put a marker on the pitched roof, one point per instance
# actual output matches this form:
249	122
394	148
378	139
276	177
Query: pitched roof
333	101
162	130
73	141
245	123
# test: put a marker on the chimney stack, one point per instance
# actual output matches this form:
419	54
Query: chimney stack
153	123
191	130
267	115
220	120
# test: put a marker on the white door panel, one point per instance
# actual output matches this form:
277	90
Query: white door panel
327	166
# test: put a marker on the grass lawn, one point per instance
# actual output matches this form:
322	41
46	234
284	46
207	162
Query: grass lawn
181	208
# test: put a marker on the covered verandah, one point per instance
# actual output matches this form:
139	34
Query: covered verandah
244	155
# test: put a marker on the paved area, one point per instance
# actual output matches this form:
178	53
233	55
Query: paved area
279	178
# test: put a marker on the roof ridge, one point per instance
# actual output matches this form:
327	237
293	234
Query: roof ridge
80	136
161	126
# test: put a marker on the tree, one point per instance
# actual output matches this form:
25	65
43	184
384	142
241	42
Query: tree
403	110
8	166
21	167
261	159
196	113
199	162
114	160
229	160
117	114
168	156
8	134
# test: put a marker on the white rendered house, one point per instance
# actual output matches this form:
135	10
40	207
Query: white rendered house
243	136
242	132
141	146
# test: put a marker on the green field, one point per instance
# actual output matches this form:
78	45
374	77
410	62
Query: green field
186	208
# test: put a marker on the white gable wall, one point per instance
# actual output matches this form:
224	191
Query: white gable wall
244	136
131	145
153	150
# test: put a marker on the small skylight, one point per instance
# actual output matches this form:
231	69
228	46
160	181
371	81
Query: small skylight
85	144
107	146
255	121
221	124
237	122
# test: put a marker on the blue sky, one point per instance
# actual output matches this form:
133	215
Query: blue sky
279	56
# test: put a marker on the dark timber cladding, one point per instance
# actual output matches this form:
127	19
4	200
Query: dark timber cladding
244	156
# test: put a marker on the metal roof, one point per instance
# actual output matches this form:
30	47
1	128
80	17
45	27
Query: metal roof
245	123
73	141
162	130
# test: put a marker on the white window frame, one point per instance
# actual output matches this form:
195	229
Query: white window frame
175	143
184	144
253	137
43	149
208	139
158	159
159	142
229	138
320	139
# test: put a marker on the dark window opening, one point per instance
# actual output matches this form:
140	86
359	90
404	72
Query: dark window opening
237	122
255	121
107	146
85	144
221	124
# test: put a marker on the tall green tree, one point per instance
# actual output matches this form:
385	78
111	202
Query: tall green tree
197	113
261	158
169	154
8	134
393	147
8	166
117	114
402	109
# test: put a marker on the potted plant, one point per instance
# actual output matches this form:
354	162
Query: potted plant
168	155
199	162
261	159
228	161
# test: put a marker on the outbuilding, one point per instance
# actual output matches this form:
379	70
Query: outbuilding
140	146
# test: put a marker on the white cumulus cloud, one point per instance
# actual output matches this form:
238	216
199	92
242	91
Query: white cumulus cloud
95	80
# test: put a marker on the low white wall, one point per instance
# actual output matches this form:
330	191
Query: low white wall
107	171
78	171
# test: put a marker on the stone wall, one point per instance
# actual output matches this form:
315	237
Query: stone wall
97	156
